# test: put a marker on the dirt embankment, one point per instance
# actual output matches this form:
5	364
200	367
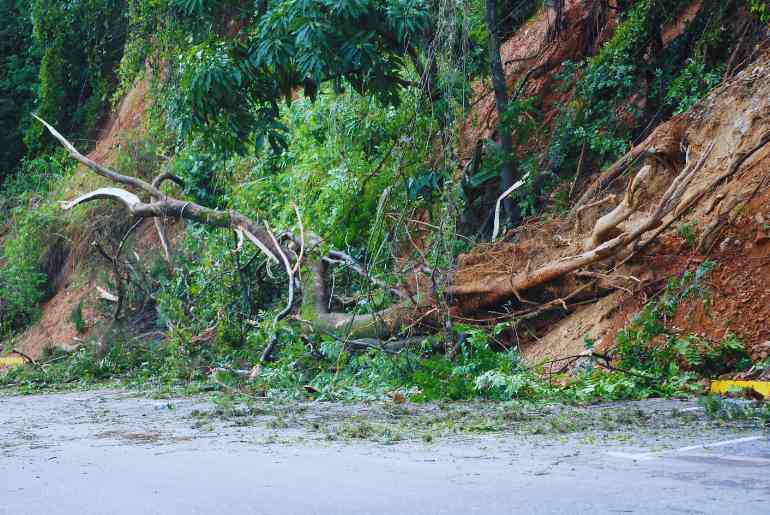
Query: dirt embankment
75	286
727	223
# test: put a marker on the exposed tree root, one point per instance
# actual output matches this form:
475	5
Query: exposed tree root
664	143
493	290
613	236
607	226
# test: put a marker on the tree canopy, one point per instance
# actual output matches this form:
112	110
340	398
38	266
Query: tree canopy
232	77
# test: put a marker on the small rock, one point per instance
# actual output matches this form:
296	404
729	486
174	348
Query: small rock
760	219
725	243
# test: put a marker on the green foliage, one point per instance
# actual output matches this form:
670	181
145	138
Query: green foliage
638	343
633	80
648	348
710	360
651	359
137	361
227	89
596	116
18	77
23	281
523	120
692	84
760	9
201	173
76	317
194	7
321	368
345	151
81	44
687	232
477	370
208	289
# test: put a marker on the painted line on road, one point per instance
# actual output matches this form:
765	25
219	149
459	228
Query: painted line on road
719	444
645	456
730	457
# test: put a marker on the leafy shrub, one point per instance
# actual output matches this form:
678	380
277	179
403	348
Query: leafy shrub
202	176
635	343
23	281
691	85
712	360
76	317
81	44
760	9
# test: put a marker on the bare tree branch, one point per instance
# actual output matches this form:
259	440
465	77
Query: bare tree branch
337	257
160	225
268	352
99	169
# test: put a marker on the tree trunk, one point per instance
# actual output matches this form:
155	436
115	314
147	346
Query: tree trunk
500	87
315	310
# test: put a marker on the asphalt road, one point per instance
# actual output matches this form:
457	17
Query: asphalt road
110	452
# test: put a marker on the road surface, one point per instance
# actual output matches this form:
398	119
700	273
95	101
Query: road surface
113	452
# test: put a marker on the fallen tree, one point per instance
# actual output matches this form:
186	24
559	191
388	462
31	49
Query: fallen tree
489	291
315	294
612	238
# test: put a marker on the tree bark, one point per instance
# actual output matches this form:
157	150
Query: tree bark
493	290
500	87
315	310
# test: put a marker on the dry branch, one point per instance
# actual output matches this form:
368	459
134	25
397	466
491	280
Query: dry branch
165	207
160	225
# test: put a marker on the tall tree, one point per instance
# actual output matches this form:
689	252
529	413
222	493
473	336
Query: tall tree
81	44
18	77
231	82
505	139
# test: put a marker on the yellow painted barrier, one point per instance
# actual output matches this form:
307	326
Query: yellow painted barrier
726	385
11	361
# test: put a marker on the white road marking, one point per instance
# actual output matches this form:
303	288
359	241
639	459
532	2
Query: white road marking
718	444
644	456
731	457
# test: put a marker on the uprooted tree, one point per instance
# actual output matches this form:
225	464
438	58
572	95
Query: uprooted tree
645	210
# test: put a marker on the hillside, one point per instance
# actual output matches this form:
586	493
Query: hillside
591	215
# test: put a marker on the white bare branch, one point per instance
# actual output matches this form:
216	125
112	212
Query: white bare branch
127	198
